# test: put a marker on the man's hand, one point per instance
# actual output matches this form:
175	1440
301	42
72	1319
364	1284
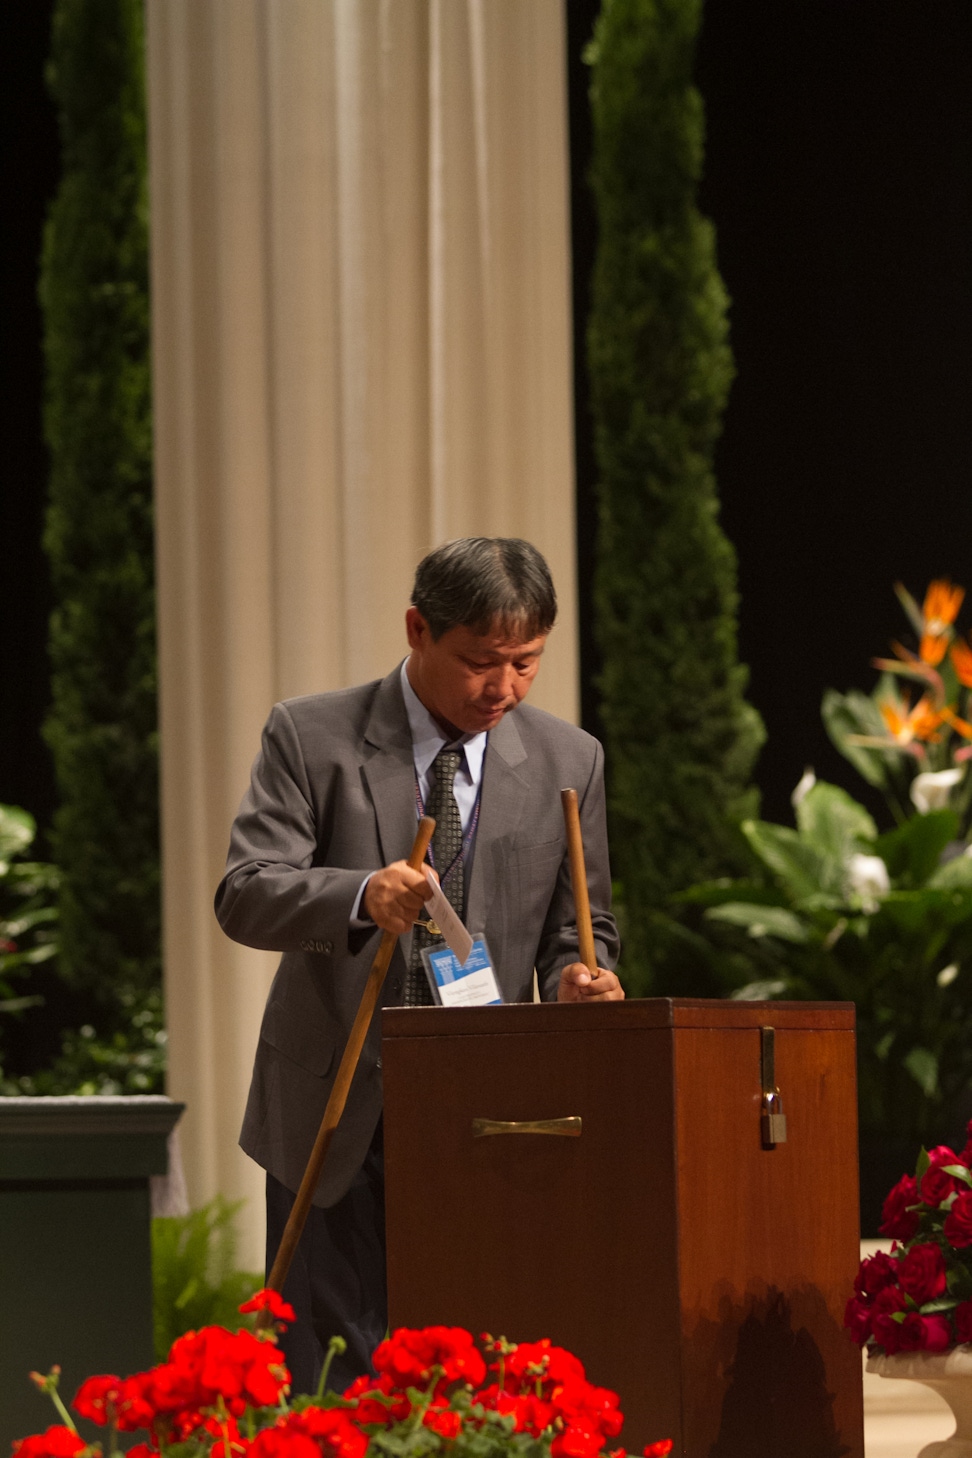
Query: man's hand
577	985
395	895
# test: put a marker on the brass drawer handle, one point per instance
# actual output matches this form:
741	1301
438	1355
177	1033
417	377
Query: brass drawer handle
567	1128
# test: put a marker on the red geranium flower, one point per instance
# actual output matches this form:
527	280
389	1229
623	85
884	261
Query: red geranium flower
57	1442
278	1442
331	1428
896	1219
272	1301
366	1393
576	1442
408	1356
97	1399
530	1414
553	1366
660	1449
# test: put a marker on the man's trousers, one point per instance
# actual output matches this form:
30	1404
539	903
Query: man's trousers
336	1283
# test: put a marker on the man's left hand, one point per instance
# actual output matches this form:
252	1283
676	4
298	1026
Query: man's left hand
577	985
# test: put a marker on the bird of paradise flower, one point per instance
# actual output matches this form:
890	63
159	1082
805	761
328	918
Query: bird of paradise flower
912	736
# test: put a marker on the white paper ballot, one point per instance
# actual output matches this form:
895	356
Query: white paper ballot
437	909
468	984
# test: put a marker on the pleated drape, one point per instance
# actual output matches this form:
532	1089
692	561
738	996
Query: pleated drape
361	348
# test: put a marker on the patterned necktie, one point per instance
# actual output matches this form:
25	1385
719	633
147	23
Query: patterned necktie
446	853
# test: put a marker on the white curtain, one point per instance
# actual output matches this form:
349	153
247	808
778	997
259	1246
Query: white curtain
361	344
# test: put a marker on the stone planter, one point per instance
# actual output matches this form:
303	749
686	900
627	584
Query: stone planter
950	1375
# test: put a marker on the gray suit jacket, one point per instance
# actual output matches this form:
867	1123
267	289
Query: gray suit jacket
332	797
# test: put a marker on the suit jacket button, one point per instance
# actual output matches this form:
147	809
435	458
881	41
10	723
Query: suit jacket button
397	985
378	1064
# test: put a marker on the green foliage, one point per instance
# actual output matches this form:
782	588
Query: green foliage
194	1277
844	914
99	533
680	739
27	914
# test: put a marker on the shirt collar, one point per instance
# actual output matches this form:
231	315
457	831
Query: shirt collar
428	738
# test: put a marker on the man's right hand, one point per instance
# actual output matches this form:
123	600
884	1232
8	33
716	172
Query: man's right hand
395	895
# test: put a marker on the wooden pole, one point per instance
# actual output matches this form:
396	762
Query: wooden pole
339	1091
578	878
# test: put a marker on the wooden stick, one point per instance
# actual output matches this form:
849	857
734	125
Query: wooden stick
578	878
339	1092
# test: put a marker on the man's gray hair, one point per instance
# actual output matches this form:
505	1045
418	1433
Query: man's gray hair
486	582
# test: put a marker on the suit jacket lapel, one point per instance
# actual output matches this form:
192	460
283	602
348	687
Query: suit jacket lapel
505	788
390	772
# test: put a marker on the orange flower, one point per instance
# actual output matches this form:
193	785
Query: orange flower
962	726
962	662
939	611
905	724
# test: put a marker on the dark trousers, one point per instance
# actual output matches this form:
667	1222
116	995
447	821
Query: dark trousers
336	1283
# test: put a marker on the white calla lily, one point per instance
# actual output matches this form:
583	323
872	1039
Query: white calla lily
803	787
931	789
867	877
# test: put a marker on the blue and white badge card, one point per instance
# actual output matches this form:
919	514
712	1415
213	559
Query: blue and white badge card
462	984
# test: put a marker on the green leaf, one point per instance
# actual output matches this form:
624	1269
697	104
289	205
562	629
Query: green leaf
798	865
959	1171
923	1067
855	713
922	1165
955	873
760	991
836	826
760	921
17	830
912	852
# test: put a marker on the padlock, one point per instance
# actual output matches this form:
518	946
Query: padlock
773	1119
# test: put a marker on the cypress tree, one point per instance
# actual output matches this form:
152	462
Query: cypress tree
99	532
680	739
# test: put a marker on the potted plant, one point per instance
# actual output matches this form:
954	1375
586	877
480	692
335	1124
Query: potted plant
223	1394
912	1307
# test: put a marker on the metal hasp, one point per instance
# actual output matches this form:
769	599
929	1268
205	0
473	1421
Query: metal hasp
772	1117
568	1128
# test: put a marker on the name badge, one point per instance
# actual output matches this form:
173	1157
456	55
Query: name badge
462	984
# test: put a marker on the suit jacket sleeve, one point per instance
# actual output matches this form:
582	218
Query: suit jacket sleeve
275	894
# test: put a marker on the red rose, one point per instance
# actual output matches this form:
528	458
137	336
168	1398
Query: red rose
909	1333
962	1316
58	1442
921	1273
936	1185
875	1273
885	1331
857	1319
936	1334
896	1219
272	1301
958	1221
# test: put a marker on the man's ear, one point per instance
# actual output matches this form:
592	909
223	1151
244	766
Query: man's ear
416	628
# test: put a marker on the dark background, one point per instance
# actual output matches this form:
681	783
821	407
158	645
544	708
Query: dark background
839	176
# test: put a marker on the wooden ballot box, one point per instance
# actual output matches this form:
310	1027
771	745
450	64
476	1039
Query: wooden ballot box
620	1178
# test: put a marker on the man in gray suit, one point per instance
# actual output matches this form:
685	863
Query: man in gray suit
317	870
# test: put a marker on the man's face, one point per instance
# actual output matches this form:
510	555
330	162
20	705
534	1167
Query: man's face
468	680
